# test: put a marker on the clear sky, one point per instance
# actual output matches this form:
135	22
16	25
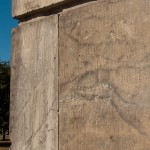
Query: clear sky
6	24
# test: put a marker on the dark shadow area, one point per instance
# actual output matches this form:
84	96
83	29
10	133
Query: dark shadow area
4	99
5	143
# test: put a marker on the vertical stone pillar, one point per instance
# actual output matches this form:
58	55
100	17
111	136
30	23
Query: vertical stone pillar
34	85
80	75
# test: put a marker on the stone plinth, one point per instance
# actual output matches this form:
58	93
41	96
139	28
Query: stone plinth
21	7
81	78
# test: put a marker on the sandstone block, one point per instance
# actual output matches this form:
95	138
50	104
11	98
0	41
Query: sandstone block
105	76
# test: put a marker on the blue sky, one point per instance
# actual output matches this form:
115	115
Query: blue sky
6	24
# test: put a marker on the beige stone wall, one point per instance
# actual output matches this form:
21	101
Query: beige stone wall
105	77
81	78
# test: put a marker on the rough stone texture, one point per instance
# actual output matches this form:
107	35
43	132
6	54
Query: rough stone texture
21	7
105	76
34	86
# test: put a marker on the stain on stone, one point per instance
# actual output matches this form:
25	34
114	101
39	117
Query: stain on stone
86	63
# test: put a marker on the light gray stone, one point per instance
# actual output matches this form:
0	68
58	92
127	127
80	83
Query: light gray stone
34	85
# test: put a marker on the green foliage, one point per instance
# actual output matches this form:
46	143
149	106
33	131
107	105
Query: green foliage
4	97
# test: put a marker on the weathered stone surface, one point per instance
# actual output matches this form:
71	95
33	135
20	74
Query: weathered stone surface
34	84
21	7
105	76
